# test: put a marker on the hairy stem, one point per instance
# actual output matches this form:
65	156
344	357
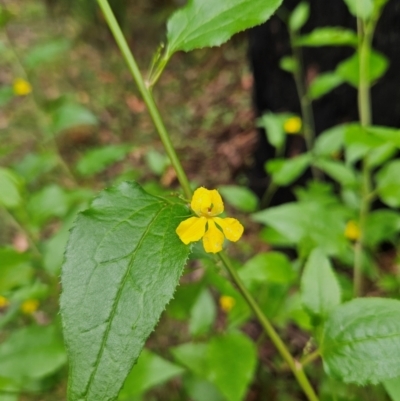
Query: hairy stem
146	94
294	365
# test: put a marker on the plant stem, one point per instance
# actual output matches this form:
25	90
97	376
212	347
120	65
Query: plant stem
365	34
294	365
305	101
146	94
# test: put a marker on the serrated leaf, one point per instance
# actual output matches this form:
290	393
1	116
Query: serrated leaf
205	23
323	84
240	198
299	16
328	36
320	290
122	264
349	69
361	341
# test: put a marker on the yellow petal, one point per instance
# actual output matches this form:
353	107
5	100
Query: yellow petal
232	228
191	229
213	238
206	202
217	204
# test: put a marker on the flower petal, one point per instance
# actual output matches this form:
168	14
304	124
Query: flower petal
232	228
191	229
213	238
217	204
207	202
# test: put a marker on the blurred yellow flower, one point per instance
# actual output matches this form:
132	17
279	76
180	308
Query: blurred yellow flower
21	87
352	230
293	125
3	302
226	303
30	306
207	204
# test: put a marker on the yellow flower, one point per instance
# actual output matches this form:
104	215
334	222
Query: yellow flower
292	125
3	302
22	87
227	303
207	204
30	306
352	231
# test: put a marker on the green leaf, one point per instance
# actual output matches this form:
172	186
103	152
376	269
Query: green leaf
330	141
349	68
96	160
313	223
46	52
122	265
388	180
299	16
227	361
157	161
288	64
151	370
285	171
328	36
10	188
201	390
320	290
33	165
270	267
233	360
392	387
205	23
360	343
71	115
381	225
203	314
32	352
360	8
341	173
51	201
14	271
241	198
323	84
273	125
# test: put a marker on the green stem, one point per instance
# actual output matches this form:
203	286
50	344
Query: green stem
310	357
365	34
294	365
305	101
146	94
